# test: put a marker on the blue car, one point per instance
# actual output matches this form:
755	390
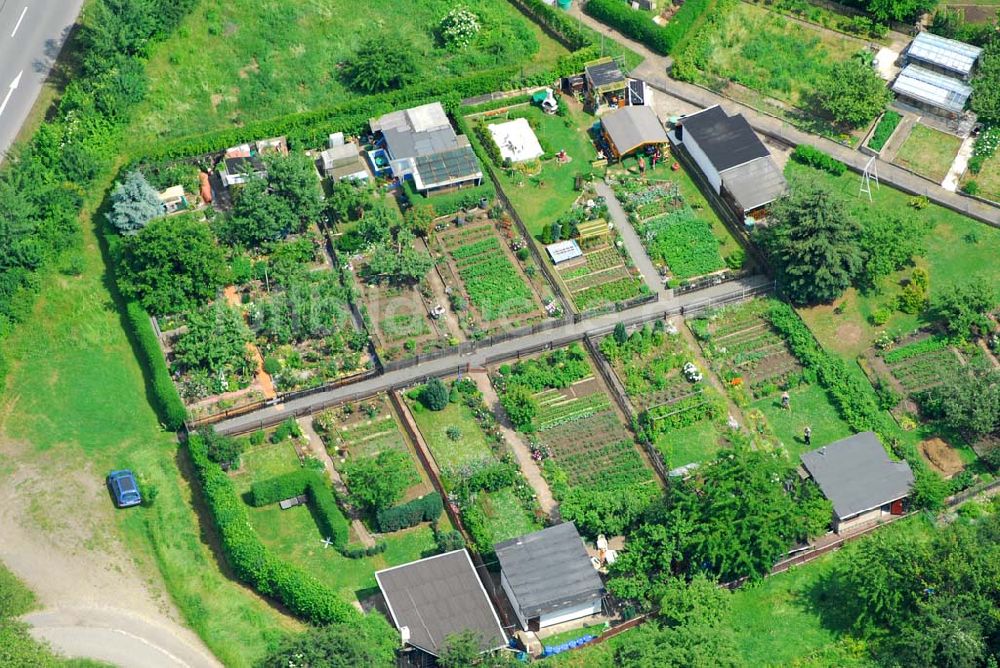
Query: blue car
125	489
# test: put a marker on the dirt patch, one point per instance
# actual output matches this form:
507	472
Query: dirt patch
941	456
217	99
253	67
849	334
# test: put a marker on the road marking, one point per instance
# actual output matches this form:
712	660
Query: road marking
10	91
18	25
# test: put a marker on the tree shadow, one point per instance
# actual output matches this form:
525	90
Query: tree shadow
827	597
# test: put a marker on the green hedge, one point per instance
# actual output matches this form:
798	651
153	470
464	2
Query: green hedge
886	126
446	204
330	519
279	488
813	157
250	559
168	404
425	509
567	30
631	23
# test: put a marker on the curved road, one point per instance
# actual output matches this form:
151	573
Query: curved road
32	33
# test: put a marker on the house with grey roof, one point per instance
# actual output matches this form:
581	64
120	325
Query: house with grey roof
630	130
434	598
423	146
549	578
945	56
732	159
860	480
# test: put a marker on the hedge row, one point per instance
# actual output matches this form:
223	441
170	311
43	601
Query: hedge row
250	559
425	509
813	157
330	519
168	404
279	488
631	23
567	30
446	204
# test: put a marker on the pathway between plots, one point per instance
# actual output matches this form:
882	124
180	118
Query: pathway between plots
632	242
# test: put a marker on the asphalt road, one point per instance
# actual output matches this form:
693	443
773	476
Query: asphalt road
31	34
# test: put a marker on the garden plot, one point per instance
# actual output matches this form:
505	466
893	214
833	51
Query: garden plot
365	430
928	152
484	271
600	278
915	364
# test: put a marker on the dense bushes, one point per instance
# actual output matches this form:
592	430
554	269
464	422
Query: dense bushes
886	126
425	509
567	30
167	402
301	593
446	204
638	25
813	157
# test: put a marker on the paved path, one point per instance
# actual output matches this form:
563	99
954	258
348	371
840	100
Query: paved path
733	290
654	68
529	467
632	242
32	33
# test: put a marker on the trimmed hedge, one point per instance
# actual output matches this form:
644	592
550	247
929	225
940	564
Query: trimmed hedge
631	23
567	30
330	519
446	204
167	402
279	488
813	157
427	508
250	559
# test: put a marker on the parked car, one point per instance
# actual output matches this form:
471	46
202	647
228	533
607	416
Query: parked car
125	488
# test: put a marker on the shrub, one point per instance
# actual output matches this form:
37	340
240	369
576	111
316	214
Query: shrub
287	429
736	259
331	521
434	395
425	509
886	126
272	365
453	433
450	540
167	402
970	188
222	449
813	157
880	316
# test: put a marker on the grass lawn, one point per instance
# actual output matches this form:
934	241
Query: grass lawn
506	518
772	54
541	200
267	462
76	406
695	443
433	425
809	408
928	152
988	178
232	63
957	248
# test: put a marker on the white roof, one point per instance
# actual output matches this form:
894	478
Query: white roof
943	52
338	156
563	250
932	88
516	140
171	193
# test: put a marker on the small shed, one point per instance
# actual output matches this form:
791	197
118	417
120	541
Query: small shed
606	83
343	161
433	598
859	479
549	577
631	129
928	90
563	251
516	140
942	55
173	199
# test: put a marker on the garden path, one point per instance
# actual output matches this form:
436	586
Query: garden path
959	165
899	137
441	298
318	450
521	451
263	378
700	360
632	242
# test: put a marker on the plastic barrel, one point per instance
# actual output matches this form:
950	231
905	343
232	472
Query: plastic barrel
565	4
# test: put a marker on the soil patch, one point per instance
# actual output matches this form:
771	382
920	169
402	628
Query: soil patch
941	456
849	334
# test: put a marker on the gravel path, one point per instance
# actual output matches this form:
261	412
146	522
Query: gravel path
630	238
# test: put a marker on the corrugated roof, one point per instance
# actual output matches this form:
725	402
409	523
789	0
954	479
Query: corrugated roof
549	570
447	167
727	141
947	53
932	88
756	183
631	127
438	596
604	73
563	250
856	474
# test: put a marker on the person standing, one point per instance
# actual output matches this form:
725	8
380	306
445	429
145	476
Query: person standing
808	435
786	401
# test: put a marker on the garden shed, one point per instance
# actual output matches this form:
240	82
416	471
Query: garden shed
860	480
516	140
433	598
605	83
343	161
942	55
930	91
549	578
563	251
632	129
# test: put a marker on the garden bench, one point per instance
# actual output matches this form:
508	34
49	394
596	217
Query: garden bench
292	502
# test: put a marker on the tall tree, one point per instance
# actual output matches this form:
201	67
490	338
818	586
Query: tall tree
378	482
293	178
369	642
257	216
889	241
172	265
853	94
398	260
813	243
134	203
963	307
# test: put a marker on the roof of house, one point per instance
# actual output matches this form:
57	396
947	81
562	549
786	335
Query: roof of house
445	168
422	130
172	193
856	474
438	596
629	128
932	88
340	155
727	141
561	251
754	184
238	165
947	53
549	570
604	73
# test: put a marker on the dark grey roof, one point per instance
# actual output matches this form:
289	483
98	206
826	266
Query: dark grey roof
631	127
238	165
727	141
756	183
856	474
438	596
549	570
602	74
447	167
405	143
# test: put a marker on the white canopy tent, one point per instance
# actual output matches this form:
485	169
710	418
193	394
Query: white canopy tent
516	140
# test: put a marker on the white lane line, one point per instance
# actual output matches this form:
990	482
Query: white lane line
18	25
10	91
